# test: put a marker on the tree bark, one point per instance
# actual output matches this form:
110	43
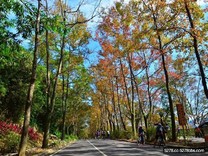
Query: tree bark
114	107
51	107
63	108
166	81
125	84
24	135
141	105
195	45
48	82
149	114
119	106
133	121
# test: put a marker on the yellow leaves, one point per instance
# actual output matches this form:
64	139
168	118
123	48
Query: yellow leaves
107	47
155	118
161	3
153	40
145	26
178	64
128	20
116	24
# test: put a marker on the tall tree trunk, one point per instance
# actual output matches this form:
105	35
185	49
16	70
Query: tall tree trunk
133	121
51	107
108	115
113	125
114	107
126	88
141	105
48	81
149	114
119	106
47	63
170	100
166	81
27	114
63	107
195	44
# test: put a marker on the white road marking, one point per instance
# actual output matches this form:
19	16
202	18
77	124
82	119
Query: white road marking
96	148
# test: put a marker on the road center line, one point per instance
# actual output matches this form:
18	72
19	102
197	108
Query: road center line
96	148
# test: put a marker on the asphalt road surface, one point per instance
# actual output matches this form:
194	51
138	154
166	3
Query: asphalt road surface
118	148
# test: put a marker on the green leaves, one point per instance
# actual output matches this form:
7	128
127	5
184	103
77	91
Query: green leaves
55	24
2	88
16	22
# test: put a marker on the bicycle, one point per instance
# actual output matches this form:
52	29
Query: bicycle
159	141
141	139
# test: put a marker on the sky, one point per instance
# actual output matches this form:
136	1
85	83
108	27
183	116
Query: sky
87	9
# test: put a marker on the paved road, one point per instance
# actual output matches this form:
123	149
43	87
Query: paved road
115	148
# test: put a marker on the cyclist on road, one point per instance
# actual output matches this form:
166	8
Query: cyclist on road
159	134
141	135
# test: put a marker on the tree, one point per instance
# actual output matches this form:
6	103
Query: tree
194	35
50	108
67	24
15	69
23	142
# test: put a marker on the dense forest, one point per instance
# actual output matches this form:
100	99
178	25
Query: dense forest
152	55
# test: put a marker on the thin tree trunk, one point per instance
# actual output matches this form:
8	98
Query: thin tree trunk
113	125
114	107
63	107
125	84
149	114
195	44
174	137
24	136
170	100
132	102
140	104
108	115
51	108
48	82
119	106
47	62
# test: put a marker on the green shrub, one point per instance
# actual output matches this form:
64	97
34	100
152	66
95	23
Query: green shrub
190	132
125	134
58	134
115	134
121	134
83	134
71	137
9	142
151	132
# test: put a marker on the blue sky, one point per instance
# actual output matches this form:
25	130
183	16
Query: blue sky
87	9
